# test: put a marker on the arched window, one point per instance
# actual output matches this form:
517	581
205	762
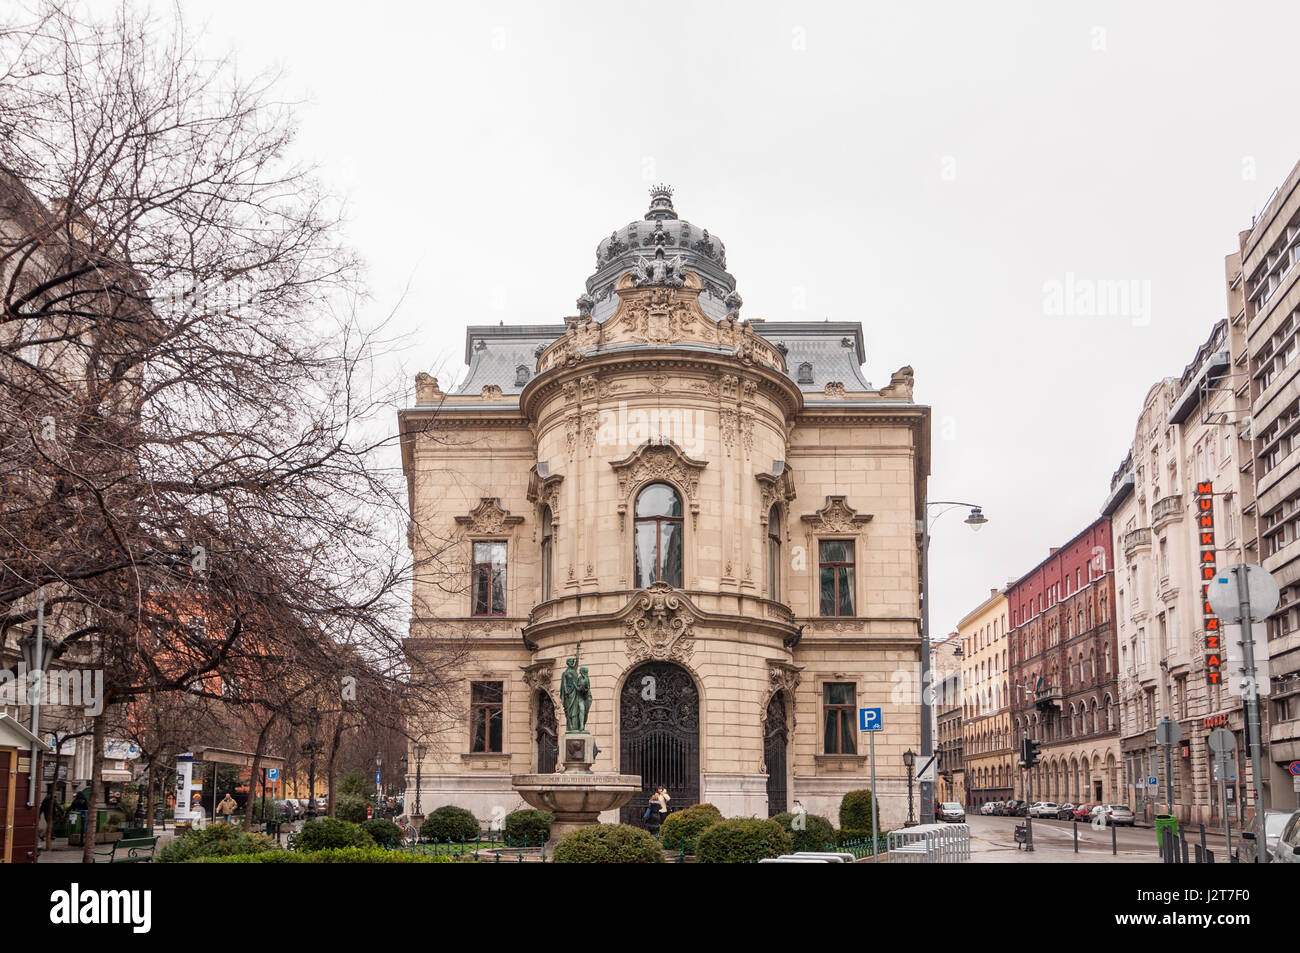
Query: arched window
774	553
658	544
547	555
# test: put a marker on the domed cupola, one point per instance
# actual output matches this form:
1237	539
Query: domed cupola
661	244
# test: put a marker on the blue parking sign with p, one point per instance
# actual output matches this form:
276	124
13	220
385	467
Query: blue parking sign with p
869	719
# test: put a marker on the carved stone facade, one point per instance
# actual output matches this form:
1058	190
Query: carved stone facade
659	383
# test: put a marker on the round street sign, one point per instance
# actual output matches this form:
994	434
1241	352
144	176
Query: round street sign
1222	741
1262	593
1168	733
1294	768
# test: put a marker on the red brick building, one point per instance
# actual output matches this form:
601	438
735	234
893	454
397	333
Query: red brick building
1064	689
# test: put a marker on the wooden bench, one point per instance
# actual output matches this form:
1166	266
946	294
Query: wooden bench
133	850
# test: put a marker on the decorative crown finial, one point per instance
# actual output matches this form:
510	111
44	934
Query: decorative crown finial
661	204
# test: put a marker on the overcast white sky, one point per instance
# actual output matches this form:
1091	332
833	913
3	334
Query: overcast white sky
922	168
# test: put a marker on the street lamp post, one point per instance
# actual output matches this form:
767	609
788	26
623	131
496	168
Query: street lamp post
909	759
975	521
420	751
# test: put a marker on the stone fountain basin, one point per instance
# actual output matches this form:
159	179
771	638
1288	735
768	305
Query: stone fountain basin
575	799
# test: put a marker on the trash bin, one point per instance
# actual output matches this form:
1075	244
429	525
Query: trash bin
1165	822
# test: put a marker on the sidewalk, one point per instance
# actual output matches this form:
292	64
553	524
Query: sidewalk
996	850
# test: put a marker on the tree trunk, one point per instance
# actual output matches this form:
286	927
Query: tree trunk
96	790
253	774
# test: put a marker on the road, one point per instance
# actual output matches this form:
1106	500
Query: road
994	841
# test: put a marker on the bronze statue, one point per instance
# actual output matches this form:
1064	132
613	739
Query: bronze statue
575	695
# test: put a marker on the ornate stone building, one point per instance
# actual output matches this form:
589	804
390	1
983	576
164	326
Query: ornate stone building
1064	691
718	515
986	702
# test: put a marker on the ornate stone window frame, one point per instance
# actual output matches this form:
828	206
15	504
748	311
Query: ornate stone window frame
659	461
490	522
836	520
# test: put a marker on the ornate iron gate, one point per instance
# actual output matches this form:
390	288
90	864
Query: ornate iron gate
659	728
776	734
548	745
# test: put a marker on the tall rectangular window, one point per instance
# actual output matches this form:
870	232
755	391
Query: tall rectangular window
486	717
839	710
489	583
836	557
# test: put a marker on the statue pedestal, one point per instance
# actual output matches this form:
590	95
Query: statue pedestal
577	752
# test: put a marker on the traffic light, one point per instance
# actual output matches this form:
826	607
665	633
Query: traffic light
1024	752
1032	751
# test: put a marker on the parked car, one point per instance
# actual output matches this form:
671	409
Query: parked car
1045	809
1083	812
1287	848
1275	822
1065	812
1118	814
951	812
987	807
1016	808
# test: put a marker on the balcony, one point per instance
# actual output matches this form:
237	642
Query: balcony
1049	696
1166	510
1135	540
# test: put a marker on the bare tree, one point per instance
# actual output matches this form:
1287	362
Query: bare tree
188	436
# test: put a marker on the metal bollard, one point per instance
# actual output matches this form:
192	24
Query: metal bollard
1076	837
1114	846
1209	856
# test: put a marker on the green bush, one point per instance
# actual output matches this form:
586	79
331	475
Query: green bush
608	844
339	855
807	831
326	833
351	809
743	840
215	840
855	811
450	823
687	826
383	832
528	828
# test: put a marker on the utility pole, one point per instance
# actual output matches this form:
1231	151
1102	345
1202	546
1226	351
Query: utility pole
1250	699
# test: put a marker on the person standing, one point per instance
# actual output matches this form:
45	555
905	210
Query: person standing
227	807
653	815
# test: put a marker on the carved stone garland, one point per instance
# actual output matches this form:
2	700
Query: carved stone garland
836	517
488	518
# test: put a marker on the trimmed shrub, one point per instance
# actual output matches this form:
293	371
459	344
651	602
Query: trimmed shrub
383	832
687	826
325	833
450	823
339	855
807	831
855	811
351	809
608	844
528	828
742	840
215	840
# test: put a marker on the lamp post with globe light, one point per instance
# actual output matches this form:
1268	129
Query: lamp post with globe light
975	520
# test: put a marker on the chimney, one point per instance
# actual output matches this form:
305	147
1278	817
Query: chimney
1053	551
992	593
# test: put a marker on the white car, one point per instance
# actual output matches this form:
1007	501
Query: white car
1044	809
986	808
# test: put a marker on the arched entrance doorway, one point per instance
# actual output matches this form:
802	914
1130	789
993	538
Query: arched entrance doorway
776	737
659	735
548	744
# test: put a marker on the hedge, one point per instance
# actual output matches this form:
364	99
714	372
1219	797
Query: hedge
528	828
215	840
743	840
326	833
383	832
807	831
687	826
855	811
340	855
608	844
450	823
